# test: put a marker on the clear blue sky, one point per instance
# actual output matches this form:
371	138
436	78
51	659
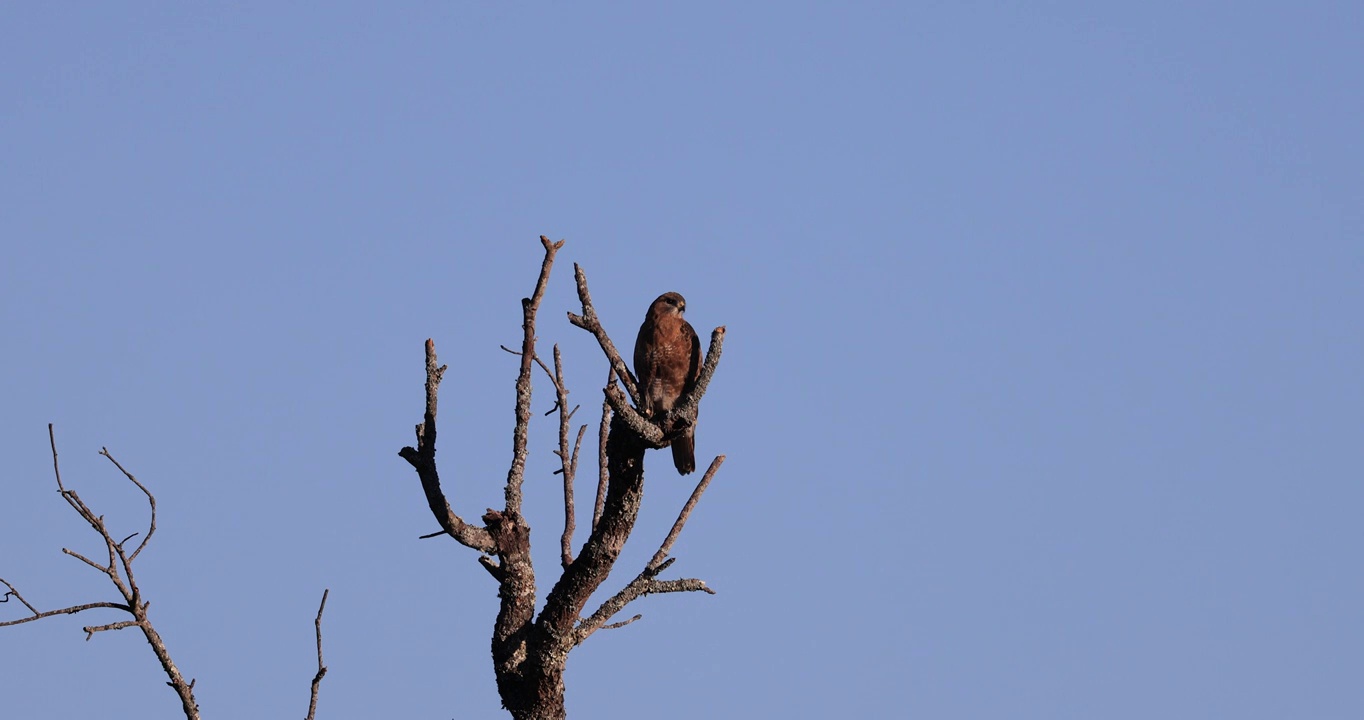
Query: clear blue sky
1042	393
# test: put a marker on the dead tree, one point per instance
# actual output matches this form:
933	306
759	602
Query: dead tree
529	652
119	568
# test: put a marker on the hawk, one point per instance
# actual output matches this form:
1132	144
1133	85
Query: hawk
667	361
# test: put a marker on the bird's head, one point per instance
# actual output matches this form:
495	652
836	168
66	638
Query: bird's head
669	303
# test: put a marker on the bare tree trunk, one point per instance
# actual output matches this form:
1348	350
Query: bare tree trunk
553	635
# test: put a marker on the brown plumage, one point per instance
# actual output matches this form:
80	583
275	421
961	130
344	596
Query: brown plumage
667	361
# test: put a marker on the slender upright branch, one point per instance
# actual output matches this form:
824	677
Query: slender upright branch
566	540
529	307
568	460
321	669
52	440
685	513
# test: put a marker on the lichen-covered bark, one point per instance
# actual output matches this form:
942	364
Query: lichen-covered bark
530	657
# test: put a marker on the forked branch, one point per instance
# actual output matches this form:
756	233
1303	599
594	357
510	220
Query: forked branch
646	583
423	459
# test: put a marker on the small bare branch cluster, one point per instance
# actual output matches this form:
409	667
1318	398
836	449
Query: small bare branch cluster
118	567
529	652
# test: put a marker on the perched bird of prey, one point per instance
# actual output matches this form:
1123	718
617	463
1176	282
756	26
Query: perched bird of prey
667	361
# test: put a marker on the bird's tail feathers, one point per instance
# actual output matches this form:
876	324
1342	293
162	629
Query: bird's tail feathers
684	452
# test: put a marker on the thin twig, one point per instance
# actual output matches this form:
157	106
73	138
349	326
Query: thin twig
557	365
64	611
16	594
577	445
150	499
87	561
622	623
91	630
52	438
321	669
